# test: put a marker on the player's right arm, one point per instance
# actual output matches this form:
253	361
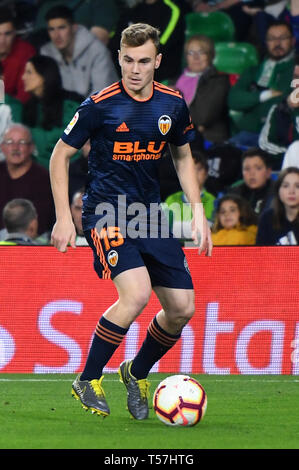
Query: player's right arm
64	231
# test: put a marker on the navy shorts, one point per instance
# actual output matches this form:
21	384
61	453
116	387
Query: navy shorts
163	257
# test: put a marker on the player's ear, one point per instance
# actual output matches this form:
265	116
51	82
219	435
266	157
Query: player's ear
119	57
158	61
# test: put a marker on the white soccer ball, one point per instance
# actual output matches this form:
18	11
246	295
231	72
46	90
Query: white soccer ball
179	400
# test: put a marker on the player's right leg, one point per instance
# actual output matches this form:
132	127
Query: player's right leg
134	289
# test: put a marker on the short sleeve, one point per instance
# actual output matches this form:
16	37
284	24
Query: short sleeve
183	131
82	125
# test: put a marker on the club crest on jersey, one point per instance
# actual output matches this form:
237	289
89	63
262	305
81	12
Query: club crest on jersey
71	124
112	258
164	124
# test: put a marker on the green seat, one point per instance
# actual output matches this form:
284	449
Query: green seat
217	25
235	57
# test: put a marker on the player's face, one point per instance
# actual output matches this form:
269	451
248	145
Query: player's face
61	33
33	81
138	66
17	146
279	42
229	214
7	35
255	172
289	191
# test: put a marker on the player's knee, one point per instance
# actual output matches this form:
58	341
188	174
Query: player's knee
135	303
141	301
186	312
182	314
190	310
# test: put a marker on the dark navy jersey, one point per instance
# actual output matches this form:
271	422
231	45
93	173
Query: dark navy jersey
128	138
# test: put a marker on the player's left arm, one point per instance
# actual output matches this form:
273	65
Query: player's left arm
185	168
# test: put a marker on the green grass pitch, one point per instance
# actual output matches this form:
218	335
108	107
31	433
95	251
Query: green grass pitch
244	412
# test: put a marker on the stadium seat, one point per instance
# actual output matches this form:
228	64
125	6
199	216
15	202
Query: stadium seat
235	57
217	25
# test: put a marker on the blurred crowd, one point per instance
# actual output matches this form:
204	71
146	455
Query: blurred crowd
236	62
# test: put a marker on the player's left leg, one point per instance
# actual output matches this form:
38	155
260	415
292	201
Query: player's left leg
165	329
172	283
162	334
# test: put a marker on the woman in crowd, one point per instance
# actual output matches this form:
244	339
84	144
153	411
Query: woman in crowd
50	108
279	225
235	222
205	90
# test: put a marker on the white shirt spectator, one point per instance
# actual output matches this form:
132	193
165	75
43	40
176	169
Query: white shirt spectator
291	157
91	68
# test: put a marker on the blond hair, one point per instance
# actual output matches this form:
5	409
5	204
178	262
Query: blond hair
138	34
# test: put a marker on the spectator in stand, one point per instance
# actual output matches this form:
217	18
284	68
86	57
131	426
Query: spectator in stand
50	107
84	61
177	206
279	225
257	185
235	222
99	16
168	17
76	211
234	8
205	90
21	177
78	171
14	53
21	222
282	124
261	86
291	157
263	13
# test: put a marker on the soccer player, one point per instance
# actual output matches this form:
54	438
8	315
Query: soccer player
129	124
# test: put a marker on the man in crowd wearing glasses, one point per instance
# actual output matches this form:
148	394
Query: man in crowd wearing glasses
261	86
22	177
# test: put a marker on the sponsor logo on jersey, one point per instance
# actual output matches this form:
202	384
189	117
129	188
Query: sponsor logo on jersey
164	124
136	151
112	258
71	124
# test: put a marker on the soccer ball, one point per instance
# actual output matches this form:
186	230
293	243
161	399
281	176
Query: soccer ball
179	400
